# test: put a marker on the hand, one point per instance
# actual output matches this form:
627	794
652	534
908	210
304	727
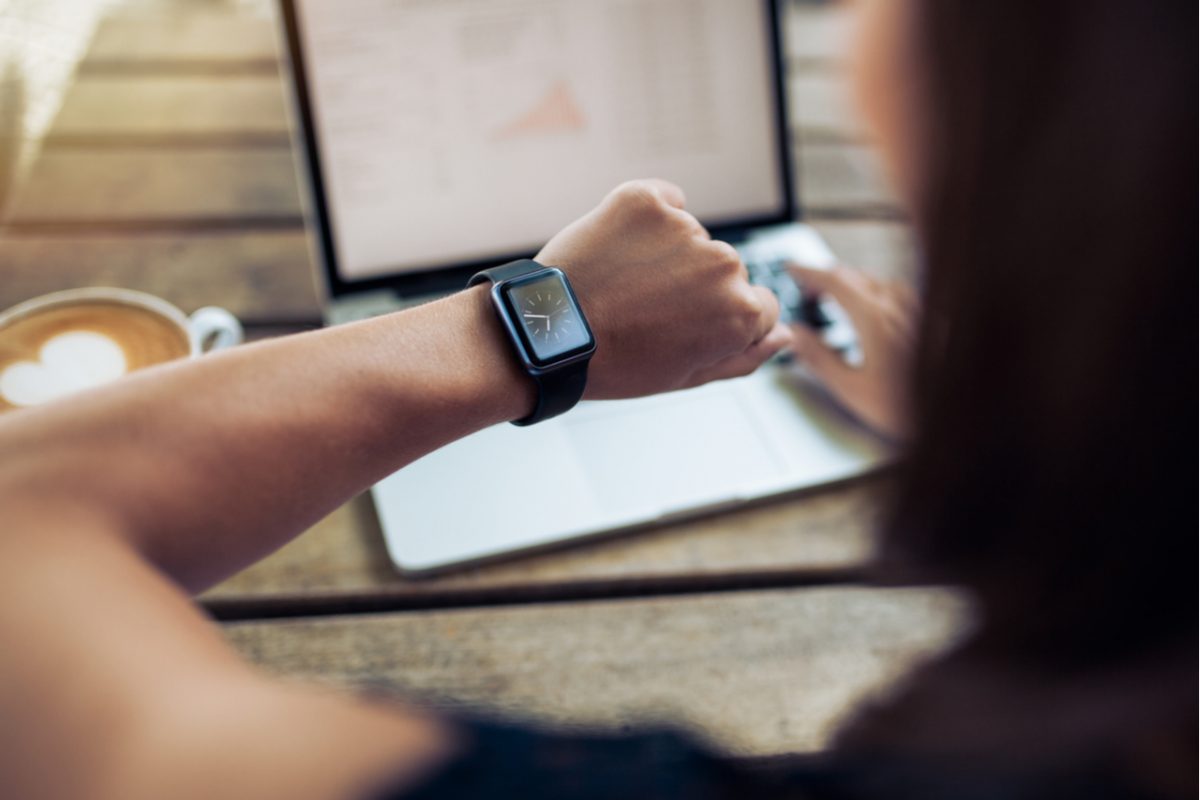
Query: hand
669	307
884	315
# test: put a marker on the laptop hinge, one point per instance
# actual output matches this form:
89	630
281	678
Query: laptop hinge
363	305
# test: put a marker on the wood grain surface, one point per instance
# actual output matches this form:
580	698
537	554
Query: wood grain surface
187	188
261	276
155	108
171	37
822	535
756	672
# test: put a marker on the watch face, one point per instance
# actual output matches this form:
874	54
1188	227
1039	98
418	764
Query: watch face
548	316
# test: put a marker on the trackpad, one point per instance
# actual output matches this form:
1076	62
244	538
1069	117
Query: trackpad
677	451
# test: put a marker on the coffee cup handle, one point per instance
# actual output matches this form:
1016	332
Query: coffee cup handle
213	328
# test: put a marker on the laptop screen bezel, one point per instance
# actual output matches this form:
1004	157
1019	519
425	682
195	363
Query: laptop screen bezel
452	276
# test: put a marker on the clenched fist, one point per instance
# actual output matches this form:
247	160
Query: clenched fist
670	308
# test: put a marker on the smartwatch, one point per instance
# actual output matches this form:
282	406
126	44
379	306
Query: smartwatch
549	333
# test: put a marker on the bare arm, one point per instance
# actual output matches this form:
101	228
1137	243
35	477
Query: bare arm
183	474
206	466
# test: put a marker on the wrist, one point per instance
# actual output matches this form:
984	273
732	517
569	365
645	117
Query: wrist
508	390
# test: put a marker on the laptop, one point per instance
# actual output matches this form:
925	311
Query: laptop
441	138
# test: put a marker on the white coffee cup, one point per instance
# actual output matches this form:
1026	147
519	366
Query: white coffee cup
60	343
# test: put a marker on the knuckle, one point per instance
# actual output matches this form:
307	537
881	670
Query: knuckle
745	312
637	197
725	257
680	224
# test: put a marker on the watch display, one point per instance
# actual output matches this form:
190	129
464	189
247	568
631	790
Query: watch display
548	317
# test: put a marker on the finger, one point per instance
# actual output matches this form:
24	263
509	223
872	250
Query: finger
670	193
850	288
873	284
768	316
745	362
779	337
825	363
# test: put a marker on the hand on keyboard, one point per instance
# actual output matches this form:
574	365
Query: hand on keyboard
819	312
875	386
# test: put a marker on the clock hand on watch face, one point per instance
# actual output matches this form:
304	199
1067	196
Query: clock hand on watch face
529	316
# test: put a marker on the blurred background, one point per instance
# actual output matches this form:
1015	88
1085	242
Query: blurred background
144	143
41	44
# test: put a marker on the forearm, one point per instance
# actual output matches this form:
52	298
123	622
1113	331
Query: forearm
208	465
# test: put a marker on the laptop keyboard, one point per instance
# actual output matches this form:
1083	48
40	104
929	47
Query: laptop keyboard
819	313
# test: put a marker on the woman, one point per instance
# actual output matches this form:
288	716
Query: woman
1038	147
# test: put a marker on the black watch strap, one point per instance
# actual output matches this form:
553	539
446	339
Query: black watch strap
558	391
513	269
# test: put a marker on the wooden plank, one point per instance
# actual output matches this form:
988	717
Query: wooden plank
343	557
171	106
758	672
131	184
261	276
180	36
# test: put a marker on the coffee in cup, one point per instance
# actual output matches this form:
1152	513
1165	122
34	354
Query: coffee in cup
59	344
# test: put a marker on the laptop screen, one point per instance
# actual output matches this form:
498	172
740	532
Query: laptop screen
446	132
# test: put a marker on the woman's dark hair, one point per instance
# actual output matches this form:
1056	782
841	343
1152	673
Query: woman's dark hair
1052	383
1049	468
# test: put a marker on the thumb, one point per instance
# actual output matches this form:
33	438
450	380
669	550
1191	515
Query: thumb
823	361
748	360
850	288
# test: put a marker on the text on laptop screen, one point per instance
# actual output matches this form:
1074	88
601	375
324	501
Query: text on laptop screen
451	131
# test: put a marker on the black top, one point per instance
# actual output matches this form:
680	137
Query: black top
506	761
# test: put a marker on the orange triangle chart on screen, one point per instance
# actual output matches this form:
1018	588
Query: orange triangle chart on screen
555	112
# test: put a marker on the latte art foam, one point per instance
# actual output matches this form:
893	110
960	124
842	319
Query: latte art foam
63	349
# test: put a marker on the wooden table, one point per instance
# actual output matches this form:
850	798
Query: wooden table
169	169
